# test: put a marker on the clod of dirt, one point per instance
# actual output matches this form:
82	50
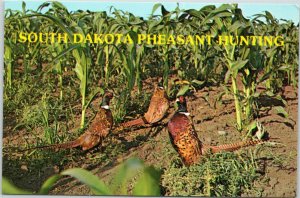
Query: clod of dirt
222	133
24	168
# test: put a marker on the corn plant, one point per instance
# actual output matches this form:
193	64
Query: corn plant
8	62
82	56
289	62
278	64
132	54
231	27
58	69
147	183
163	26
131	62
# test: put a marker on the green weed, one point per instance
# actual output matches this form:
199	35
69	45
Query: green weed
224	174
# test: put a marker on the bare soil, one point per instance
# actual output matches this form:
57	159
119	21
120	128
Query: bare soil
213	121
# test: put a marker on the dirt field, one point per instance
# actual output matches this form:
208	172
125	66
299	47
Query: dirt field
149	144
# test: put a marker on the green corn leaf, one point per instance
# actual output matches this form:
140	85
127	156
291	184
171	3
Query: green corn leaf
281	112
59	5
227	76
148	183
236	25
153	24
9	189
208	8
83	60
182	17
160	27
270	93
218	99
217	47
264	77
164	11
237	65
221	11
65	52
46	4
284	67
218	24
222	8
56	21
79	71
7	51
223	14
256	95
155	7
252	126
48	184
270	52
8	62
127	171
198	82
92	95
93	182
183	90
195	13
278	97
246	53
269	16
134	36
24	7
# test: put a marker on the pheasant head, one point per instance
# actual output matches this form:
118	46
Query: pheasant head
106	99
182	106
160	84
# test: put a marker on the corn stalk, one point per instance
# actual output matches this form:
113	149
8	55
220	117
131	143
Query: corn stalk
8	62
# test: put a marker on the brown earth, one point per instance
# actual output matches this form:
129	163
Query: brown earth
211	119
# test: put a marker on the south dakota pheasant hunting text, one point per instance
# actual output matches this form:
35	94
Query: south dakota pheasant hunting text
149	39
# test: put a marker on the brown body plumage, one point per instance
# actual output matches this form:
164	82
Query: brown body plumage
186	142
159	105
96	132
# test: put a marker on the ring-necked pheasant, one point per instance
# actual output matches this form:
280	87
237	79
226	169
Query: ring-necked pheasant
97	131
159	105
186	142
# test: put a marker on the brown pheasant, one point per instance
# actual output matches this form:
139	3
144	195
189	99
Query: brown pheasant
159	105
186	142
95	134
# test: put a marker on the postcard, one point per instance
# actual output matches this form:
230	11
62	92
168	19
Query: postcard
150	99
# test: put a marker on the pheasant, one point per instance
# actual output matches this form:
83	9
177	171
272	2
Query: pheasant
95	134
186	142
159	105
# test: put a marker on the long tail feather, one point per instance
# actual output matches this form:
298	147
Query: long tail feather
66	145
136	122
234	146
